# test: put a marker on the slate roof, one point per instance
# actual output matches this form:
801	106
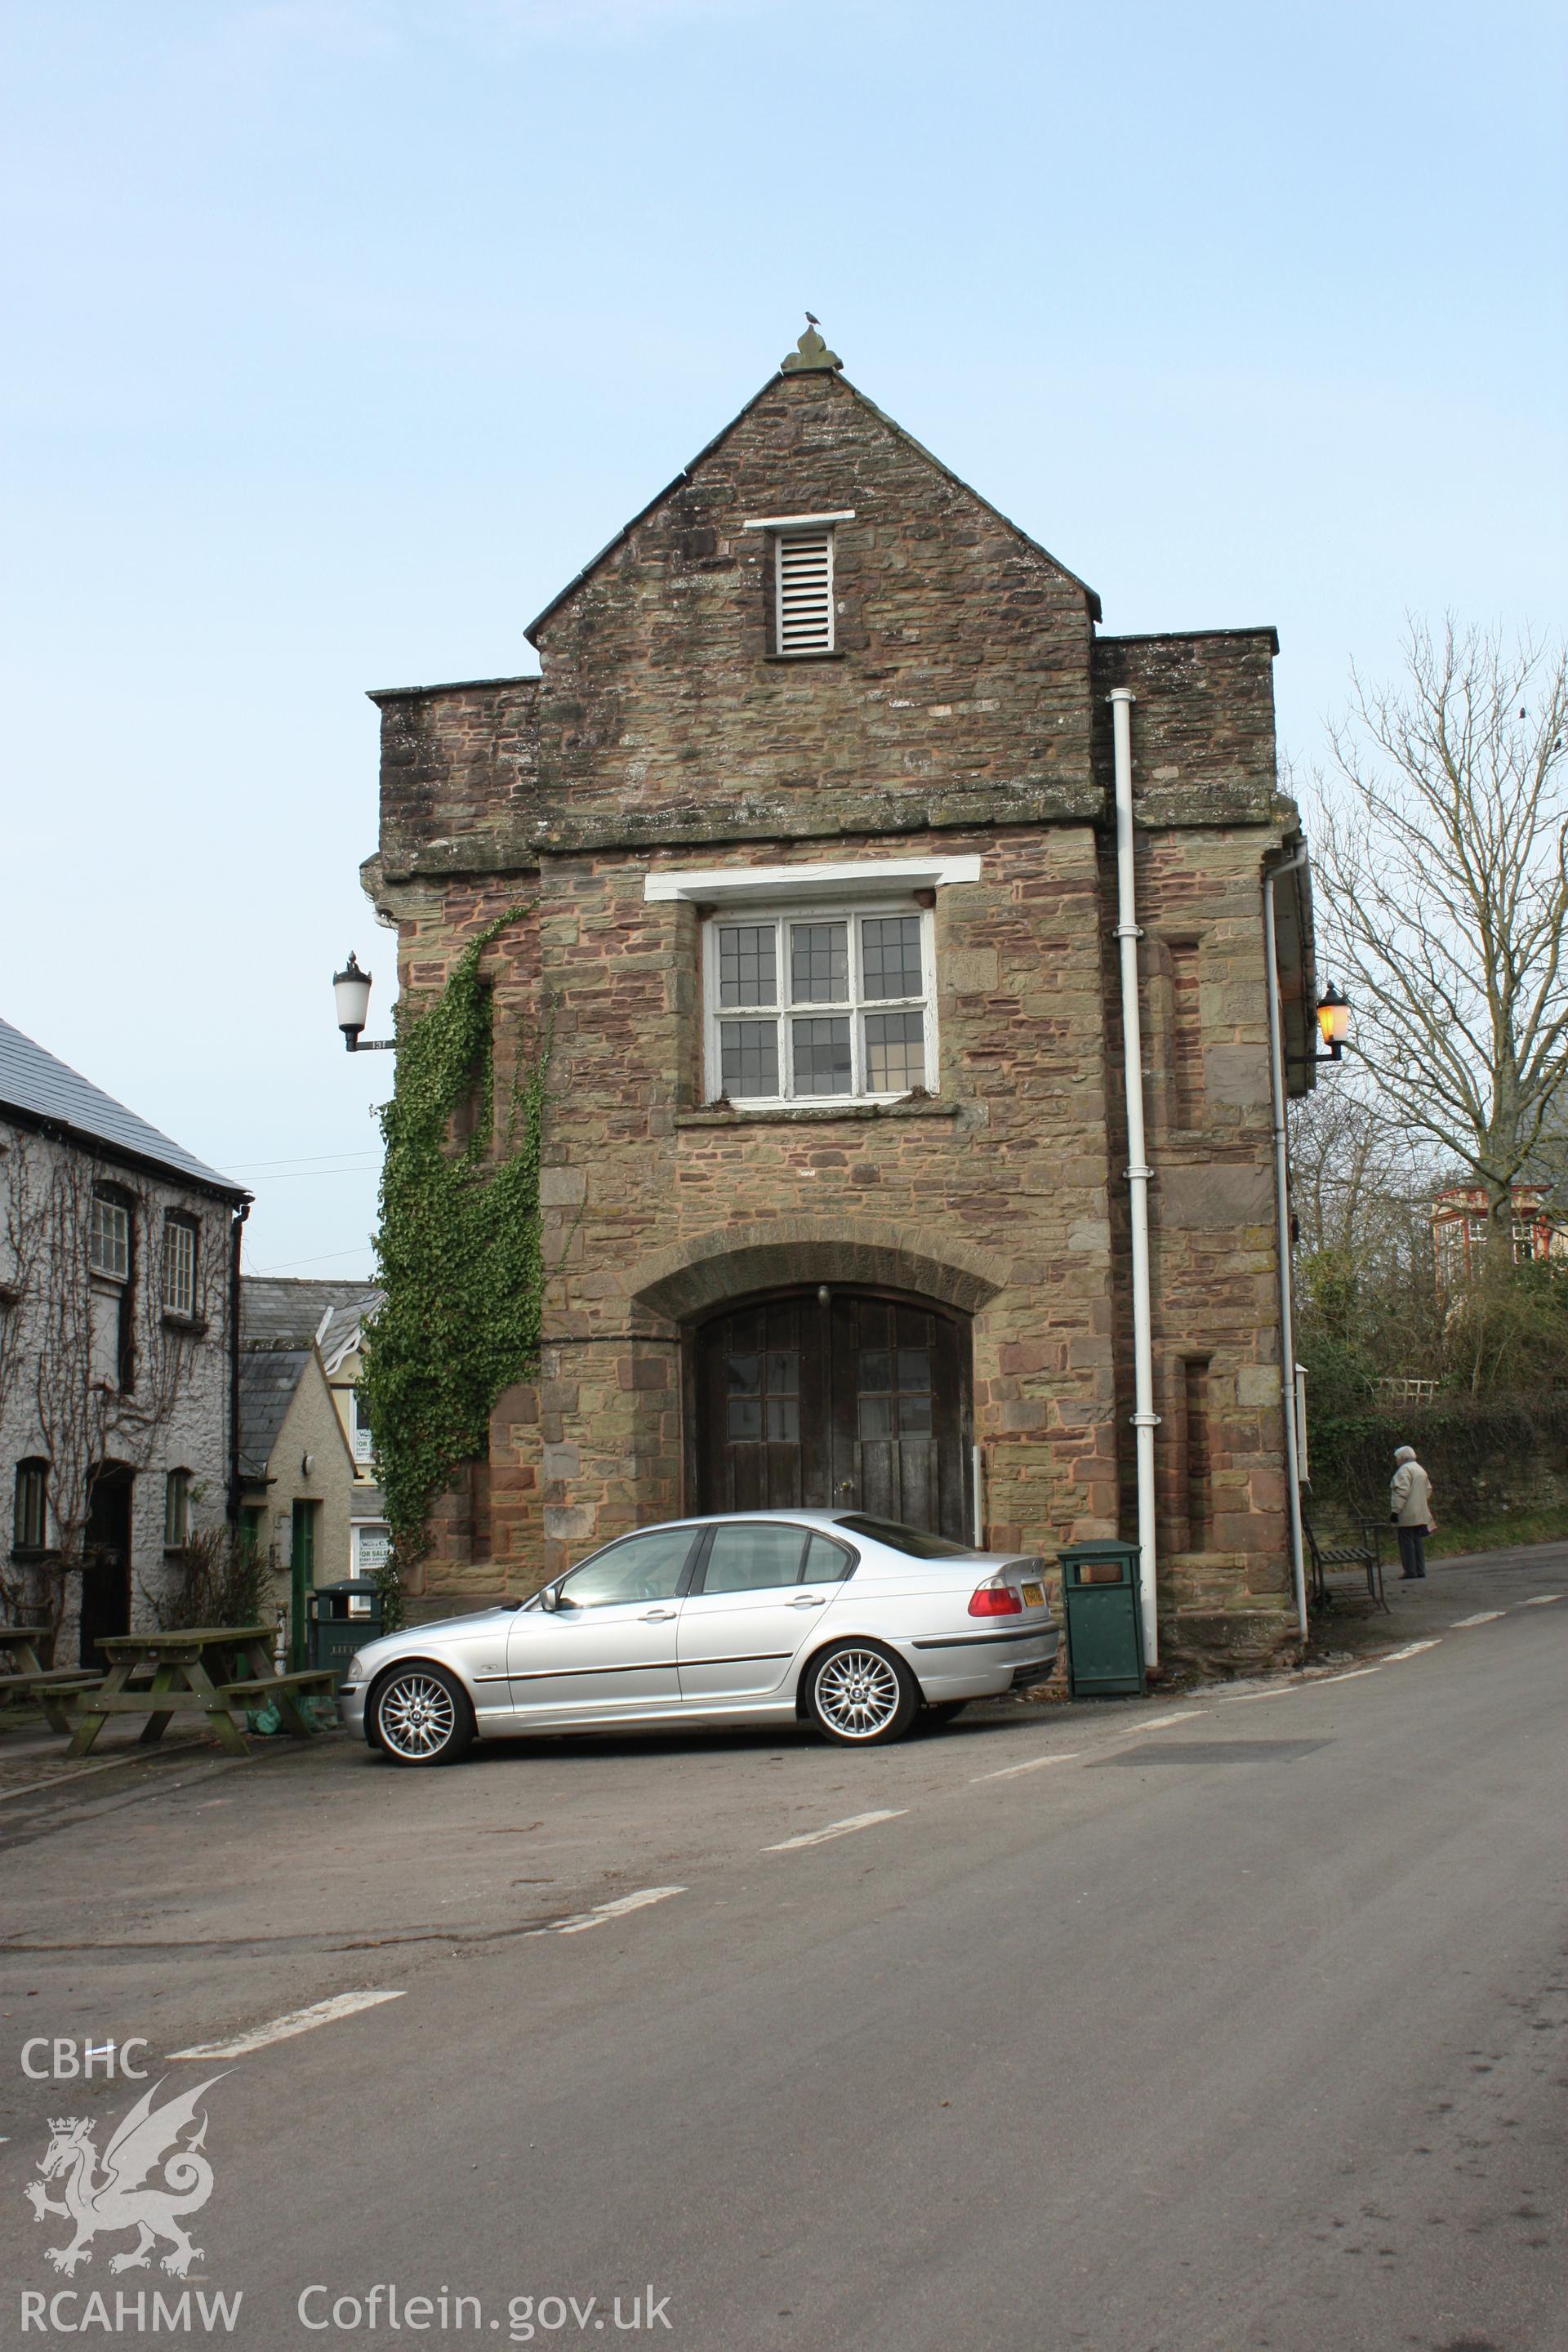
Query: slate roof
268	1379
46	1092
281	1311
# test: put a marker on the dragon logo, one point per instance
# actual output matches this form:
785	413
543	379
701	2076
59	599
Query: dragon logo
125	2194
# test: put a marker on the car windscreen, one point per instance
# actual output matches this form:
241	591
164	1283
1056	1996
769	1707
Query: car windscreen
912	1540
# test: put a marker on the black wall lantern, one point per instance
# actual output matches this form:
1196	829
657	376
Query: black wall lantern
351	992
1334	1027
1334	1022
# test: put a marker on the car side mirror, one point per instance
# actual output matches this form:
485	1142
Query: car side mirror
551	1598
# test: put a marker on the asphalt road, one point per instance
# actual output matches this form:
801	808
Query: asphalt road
1245	2030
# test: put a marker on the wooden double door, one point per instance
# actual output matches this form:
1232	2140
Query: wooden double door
858	1402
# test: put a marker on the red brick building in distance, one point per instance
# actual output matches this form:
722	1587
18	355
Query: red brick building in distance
1538	1229
811	812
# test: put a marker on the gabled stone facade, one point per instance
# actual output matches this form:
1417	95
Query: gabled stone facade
958	731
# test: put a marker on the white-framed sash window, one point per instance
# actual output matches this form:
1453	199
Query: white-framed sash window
109	1237
179	1291
820	1004
176	1510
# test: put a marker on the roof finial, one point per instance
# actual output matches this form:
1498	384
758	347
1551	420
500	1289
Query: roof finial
810	352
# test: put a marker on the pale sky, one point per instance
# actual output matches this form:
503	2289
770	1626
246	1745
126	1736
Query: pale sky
340	332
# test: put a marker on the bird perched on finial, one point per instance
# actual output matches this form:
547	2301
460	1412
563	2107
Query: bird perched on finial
810	352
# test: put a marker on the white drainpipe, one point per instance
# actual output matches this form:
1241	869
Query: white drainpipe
1146	1419
1288	1392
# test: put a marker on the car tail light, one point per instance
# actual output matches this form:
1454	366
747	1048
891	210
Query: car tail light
995	1598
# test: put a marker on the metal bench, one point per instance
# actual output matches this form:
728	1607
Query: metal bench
1327	1560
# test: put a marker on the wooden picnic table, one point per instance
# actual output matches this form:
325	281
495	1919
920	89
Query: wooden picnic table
21	1642
53	1689
202	1670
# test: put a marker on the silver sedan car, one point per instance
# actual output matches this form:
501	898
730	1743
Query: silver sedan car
852	1624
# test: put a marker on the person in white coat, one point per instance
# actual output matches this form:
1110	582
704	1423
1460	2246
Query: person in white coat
1410	1501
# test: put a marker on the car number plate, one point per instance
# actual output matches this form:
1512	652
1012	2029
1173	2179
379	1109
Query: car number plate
1034	1597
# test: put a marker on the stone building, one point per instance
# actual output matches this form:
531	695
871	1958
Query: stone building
119	1275
807	817
308	1496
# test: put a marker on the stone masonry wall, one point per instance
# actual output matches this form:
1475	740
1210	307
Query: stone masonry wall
964	710
1009	1161
1212	1237
459	775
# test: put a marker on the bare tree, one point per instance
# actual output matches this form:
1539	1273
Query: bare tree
1361	1190
1443	865
1360	1184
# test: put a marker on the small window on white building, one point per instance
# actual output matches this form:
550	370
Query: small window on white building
821	1004
803	591
179	1266
176	1510
359	1421
30	1521
109	1237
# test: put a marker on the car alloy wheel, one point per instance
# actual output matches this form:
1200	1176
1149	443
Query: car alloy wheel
861	1695
422	1716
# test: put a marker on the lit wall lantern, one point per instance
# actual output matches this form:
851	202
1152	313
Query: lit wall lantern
1334	1022
1334	1027
351	993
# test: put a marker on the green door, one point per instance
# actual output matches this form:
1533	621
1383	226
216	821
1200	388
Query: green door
301	1579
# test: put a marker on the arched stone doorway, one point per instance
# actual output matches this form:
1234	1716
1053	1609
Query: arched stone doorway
821	1396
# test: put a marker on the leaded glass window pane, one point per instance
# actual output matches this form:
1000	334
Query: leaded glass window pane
853	989
748	964
890	956
895	1052
819	963
822	1064
749	1061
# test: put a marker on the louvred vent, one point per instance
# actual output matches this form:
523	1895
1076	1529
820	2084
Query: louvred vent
805	592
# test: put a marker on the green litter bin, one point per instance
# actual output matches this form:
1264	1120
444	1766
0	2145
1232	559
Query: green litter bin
337	1626
1104	1623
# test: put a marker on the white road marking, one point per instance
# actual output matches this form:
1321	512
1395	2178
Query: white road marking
835	1829
1159	1722
1413	1650
604	1911
1245	1699
283	2029
1487	1617
1540	1600
1033	1765
1354	1675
